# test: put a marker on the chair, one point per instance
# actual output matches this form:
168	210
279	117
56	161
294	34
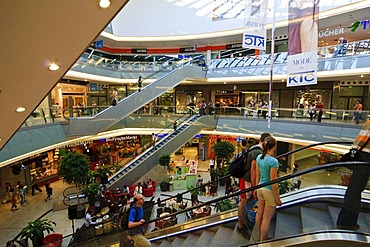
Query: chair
53	240
183	205
168	209
159	212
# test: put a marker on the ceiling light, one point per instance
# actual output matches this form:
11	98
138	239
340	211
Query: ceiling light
53	67
20	109
104	4
362	76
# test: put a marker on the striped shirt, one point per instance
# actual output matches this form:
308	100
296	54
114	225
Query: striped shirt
362	138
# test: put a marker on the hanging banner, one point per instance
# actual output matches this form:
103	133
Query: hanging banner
254	34
226	9
302	42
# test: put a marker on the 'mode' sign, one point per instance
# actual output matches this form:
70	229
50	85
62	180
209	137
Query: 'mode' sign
302	69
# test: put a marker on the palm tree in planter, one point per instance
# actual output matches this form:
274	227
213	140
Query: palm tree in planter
35	231
164	160
75	169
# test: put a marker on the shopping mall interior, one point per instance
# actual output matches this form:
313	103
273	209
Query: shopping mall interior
79	92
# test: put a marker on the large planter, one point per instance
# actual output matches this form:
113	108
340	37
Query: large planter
164	186
37	241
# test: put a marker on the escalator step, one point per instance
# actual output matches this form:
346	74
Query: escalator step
222	237
165	243
205	238
314	219
363	219
178	241
190	240
287	224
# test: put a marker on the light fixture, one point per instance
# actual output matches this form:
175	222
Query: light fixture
362	76
104	4
20	109
53	67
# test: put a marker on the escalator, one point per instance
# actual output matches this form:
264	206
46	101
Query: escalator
306	218
92	125
133	171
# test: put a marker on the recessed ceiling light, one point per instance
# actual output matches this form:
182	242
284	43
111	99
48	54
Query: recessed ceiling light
104	4
20	109
362	76
1	139
53	67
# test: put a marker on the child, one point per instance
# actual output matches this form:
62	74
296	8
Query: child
14	203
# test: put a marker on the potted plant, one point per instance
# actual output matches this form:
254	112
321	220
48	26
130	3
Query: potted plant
35	231
91	191
194	194
224	151
164	160
225	205
222	172
75	169
285	186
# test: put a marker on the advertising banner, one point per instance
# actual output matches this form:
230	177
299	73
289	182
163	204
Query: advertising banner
302	42
227	9
254	34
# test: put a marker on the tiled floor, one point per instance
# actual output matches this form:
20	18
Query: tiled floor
14	221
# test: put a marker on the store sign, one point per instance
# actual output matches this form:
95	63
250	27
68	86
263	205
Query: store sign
99	44
75	144
331	32
93	87
139	51
188	49
122	138
254	34
234	46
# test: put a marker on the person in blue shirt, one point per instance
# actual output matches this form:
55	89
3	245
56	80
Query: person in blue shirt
268	197
135	222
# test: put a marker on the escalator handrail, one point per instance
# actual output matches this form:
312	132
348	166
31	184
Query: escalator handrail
317	168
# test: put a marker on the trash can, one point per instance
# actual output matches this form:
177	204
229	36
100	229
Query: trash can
171	187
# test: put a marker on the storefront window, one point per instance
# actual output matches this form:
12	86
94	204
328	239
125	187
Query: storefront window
304	99
251	98
185	98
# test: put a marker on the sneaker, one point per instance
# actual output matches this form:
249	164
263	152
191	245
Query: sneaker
351	228
244	231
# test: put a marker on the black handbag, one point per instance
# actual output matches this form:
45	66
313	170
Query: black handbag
353	155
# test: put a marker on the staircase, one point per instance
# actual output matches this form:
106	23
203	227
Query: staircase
167	145
92	125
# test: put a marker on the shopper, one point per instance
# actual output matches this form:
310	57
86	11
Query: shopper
347	218
35	185
14	203
175	127
268	197
358	110
247	181
49	191
320	108
312	112
140	83
9	192
154	139
22	193
135	222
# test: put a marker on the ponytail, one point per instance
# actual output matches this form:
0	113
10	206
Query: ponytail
267	145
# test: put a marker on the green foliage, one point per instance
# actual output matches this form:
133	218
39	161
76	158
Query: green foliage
164	160
225	205
75	168
35	229
90	189
285	186
196	191
224	150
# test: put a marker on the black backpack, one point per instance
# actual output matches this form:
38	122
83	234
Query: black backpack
123	219
236	168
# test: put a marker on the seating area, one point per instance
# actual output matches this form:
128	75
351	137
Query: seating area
148	190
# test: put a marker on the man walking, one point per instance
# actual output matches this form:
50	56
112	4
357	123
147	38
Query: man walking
135	222
348	216
247	181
